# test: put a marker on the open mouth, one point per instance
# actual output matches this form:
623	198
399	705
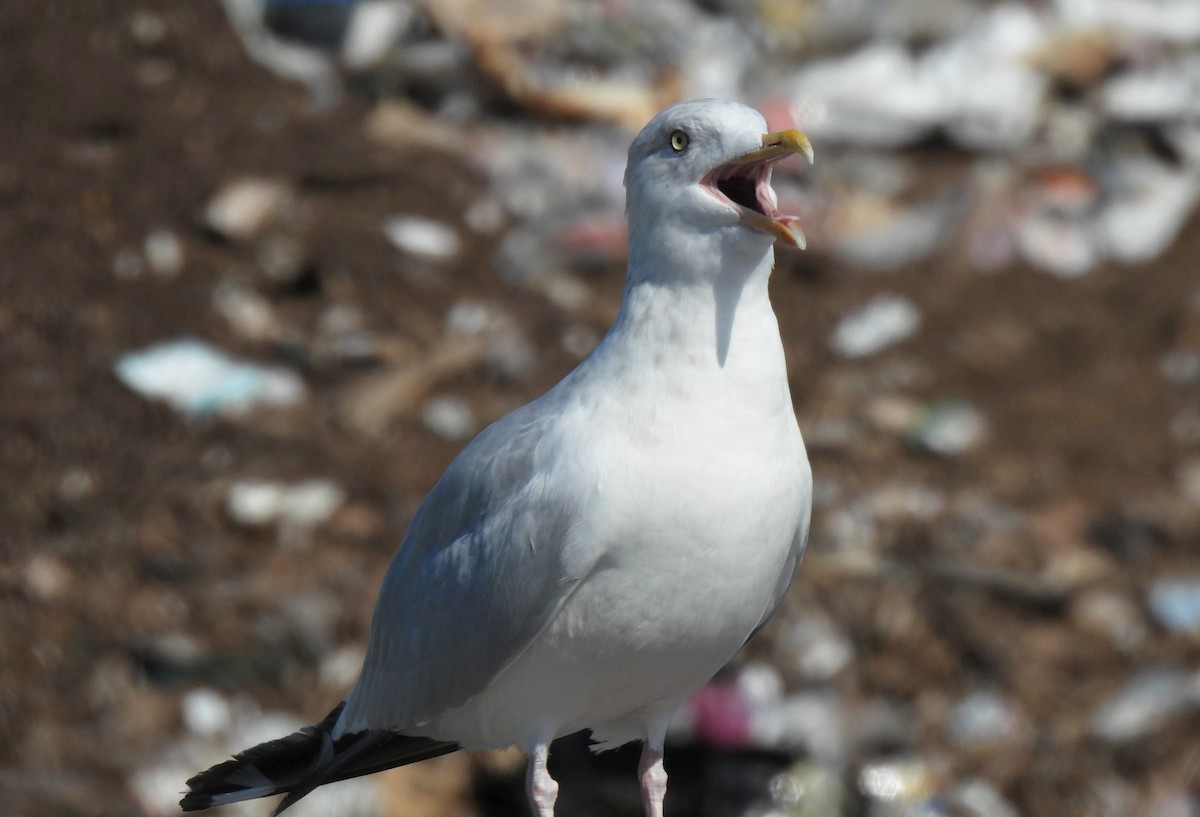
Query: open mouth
745	185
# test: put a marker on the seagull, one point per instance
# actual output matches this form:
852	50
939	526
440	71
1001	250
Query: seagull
593	558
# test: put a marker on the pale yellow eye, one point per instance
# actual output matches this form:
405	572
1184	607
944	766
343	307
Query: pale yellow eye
679	141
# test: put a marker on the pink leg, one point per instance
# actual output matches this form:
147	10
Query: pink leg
542	789
654	779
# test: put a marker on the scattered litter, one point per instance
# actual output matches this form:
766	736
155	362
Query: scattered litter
450	418
875	233
1148	701
206	712
422	236
1063	246
981	717
164	252
1175	604
948	428
720	716
808	789
880	323
1181	366
812	722
978	798
901	785
377	400
1147	212
374	28
1176	21
46	578
1111	615
77	483
1074	144
198	380
485	216
815	648
293	61
339	669
993	96
875	97
1159	93
509	354
295	508
249	314
147	28
242	209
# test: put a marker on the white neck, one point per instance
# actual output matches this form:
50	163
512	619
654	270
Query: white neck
704	295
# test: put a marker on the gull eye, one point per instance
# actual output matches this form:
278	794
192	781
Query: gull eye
679	141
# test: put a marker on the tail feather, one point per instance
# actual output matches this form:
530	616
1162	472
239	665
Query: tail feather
300	762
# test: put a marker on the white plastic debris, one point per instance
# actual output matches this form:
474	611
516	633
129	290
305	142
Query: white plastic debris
815	722
875	96
981	717
1065	247
249	314
807	789
164	252
1110	614
949	428
1171	20
300	505
198	380
898	235
1148	701
993	97
46	577
978	86
1169	91
292	61
978	798
760	683
815	648
375	27
243	208
509	354
903	783
339	669
448	417
206	712
1144	217
1176	604
882	322
422	236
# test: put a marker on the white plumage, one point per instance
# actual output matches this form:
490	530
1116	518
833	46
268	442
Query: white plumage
593	558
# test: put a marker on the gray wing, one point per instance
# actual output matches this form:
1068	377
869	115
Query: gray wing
484	566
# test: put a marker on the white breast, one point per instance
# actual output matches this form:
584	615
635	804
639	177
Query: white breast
698	509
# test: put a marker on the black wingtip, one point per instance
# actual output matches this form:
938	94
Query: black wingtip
300	762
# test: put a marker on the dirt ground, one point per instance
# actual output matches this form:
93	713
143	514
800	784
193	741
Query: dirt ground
114	539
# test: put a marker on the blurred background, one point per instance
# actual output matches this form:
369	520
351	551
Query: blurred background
267	266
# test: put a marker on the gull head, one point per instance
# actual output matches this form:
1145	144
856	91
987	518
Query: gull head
703	168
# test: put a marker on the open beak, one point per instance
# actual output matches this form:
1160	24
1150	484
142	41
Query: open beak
744	183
